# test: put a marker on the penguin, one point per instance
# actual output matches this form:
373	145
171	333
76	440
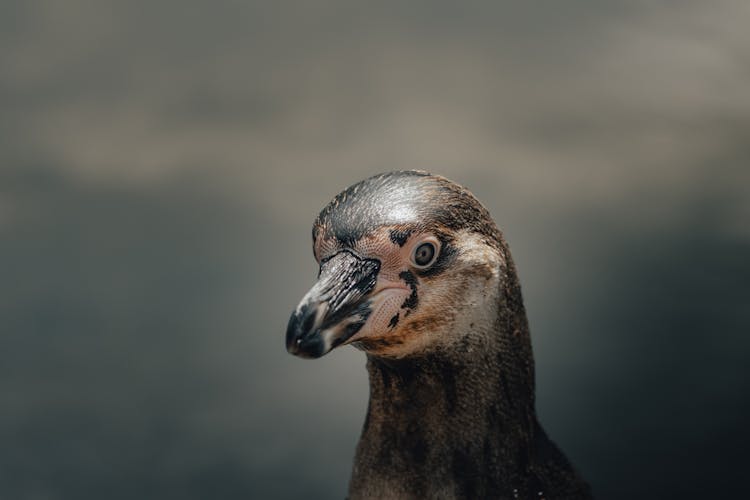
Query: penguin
415	273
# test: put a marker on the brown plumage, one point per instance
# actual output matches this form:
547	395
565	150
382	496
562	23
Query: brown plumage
415	272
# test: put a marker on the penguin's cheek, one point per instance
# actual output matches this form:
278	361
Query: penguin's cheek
387	314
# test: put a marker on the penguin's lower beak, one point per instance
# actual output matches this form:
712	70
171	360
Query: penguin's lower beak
335	308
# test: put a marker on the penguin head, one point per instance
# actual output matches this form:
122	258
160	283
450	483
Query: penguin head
409	262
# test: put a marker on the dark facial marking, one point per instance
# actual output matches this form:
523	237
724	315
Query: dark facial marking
399	236
394	321
412	300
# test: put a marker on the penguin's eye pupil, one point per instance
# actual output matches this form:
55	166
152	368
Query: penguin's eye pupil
424	255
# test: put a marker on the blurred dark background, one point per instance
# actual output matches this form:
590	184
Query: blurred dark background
161	164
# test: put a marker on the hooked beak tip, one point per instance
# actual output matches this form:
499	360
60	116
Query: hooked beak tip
303	339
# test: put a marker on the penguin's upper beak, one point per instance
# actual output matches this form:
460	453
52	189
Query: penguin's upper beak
335	308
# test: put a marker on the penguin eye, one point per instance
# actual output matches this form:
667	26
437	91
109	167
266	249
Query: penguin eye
424	254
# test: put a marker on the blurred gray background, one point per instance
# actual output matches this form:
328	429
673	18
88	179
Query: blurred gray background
161	163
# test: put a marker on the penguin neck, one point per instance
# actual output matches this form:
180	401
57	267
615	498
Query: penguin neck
461	417
459	396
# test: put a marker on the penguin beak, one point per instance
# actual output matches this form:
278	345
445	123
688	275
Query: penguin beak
335	308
